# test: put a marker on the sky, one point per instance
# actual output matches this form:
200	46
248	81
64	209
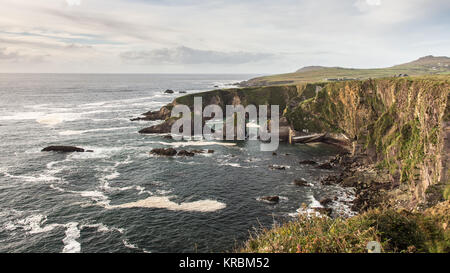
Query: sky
217	36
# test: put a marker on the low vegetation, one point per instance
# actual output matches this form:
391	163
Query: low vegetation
396	231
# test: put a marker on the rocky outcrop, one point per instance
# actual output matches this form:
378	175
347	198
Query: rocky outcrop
185	153
325	166
307	162
169	91
277	167
164	151
163	128
301	182
64	149
161	114
271	199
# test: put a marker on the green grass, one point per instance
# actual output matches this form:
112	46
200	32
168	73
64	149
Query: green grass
396	231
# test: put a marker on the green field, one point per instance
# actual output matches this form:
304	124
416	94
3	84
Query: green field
428	65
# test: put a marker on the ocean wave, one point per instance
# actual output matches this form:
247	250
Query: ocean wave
80	132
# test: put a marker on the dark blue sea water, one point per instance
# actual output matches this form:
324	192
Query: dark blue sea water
120	198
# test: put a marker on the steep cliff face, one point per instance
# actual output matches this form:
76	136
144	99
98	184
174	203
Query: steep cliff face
401	124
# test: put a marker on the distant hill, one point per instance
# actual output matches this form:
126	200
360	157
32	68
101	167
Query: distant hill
428	65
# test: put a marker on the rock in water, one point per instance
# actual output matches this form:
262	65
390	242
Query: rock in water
162	128
324	211
277	167
169	91
301	182
164	151
325	201
325	166
307	162
63	149
185	153
272	199
210	151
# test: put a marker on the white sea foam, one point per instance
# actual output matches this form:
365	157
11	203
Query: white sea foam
56	118
164	202
128	244
98	152
71	245
314	203
23	116
80	132
39	178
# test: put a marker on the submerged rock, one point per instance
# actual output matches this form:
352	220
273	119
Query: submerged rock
182	92
272	199
164	151
64	149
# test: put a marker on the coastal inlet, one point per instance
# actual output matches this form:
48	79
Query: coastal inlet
118	197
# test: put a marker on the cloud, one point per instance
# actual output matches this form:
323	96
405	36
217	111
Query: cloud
186	55
373	2
121	35
5	55
73	2
14	56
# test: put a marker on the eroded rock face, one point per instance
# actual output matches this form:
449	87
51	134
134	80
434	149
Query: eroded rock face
64	149
164	151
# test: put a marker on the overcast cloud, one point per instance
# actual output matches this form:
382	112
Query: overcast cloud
217	36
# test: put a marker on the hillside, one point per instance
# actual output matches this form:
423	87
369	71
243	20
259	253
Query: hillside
428	65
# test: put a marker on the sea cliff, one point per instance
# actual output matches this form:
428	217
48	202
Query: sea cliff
396	130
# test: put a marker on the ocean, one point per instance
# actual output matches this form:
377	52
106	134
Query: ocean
120	198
